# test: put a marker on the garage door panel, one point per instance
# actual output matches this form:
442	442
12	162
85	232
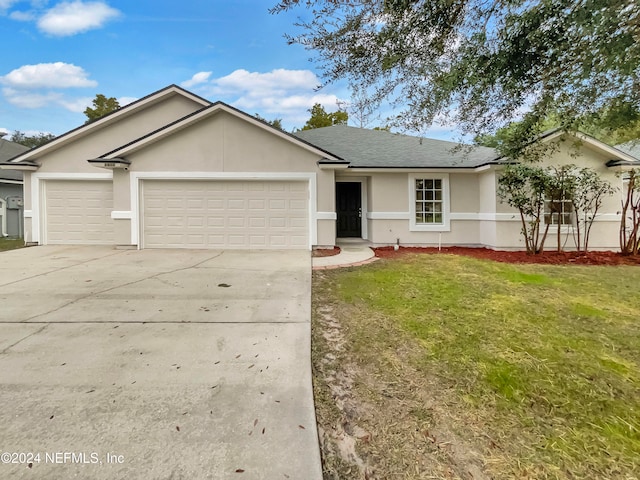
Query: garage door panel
78	212
225	214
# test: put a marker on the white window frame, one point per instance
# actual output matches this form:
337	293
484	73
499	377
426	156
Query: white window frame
562	225
445	226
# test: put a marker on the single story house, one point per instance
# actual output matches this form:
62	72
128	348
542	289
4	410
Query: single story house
11	199
173	170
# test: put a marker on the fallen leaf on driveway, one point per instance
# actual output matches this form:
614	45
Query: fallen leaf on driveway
224	285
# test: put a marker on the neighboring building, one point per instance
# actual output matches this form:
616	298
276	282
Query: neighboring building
11	199
174	170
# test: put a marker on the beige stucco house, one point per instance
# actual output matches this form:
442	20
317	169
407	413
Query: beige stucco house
174	170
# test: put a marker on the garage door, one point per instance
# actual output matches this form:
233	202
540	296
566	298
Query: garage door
78	212
225	214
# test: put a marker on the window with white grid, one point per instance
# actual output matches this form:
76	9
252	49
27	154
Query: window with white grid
429	201
558	212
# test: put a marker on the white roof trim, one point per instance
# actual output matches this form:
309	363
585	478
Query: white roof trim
202	114
109	119
597	144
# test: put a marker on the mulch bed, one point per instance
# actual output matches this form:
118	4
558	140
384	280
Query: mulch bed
550	258
326	252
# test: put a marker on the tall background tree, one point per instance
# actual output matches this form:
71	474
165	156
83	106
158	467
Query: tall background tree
482	64
321	118
101	106
31	141
276	122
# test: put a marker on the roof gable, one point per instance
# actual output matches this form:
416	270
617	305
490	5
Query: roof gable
207	112
110	119
616	155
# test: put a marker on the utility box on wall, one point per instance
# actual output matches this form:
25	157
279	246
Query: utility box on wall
14	203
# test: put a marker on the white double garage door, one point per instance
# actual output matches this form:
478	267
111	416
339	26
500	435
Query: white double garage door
241	214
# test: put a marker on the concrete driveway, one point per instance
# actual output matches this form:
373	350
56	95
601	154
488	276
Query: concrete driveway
156	364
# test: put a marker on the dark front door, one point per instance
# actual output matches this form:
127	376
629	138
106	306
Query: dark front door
349	209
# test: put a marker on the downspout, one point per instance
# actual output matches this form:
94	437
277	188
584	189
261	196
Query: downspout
3	212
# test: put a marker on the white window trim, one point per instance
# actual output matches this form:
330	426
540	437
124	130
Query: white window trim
565	228
445	226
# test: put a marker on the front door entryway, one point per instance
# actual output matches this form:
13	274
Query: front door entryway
349	209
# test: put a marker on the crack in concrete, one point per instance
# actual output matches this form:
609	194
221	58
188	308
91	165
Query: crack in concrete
62	268
76	300
5	350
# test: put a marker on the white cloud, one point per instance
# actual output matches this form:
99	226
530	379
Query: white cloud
23	99
281	93
5	4
70	18
197	79
31	100
48	75
23	16
274	81
77	105
122	101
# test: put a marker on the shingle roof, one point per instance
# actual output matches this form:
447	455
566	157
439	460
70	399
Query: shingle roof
9	150
631	148
382	149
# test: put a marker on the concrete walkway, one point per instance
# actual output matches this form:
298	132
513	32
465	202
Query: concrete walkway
352	254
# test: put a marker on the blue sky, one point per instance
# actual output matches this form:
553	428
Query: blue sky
57	55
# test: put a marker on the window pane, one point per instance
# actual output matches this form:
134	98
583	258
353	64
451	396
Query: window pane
429	201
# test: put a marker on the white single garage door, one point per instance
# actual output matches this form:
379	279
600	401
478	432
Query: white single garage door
225	214
78	212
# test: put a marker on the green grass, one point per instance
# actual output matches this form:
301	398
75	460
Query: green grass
10	243
546	358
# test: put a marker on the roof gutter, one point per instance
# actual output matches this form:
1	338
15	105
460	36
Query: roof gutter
20	166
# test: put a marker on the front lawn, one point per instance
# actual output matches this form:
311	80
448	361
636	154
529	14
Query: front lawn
443	366
10	243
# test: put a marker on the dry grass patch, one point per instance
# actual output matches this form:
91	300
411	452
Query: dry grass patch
452	367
